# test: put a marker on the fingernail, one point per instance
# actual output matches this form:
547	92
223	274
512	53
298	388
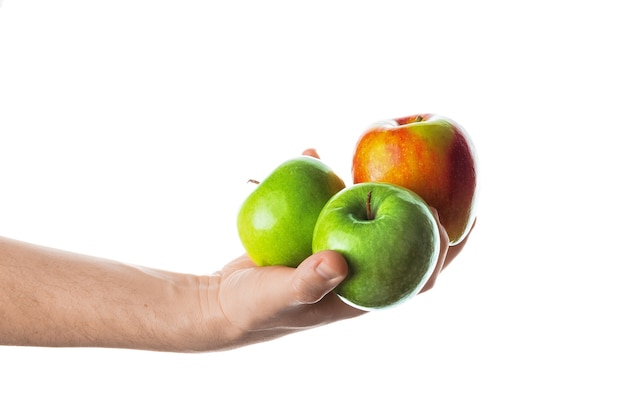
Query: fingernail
326	271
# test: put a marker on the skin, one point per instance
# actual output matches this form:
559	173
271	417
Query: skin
55	298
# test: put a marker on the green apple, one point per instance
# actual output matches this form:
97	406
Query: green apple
389	238
276	221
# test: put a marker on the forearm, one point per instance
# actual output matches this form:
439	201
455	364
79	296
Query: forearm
55	298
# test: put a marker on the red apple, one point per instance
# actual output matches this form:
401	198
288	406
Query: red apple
428	154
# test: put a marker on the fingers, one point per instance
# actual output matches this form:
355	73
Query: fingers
310	294
303	298
444	246
447	253
317	276
456	249
311	152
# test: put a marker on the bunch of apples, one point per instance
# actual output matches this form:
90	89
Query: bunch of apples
382	223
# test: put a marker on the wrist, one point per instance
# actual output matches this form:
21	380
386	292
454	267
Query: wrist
191	319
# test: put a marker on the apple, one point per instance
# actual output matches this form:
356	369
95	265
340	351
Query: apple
388	236
276	221
428	154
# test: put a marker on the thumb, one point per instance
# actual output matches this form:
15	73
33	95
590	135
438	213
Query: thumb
262	298
317	276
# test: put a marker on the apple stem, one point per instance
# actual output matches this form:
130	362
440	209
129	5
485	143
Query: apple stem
419	118
368	206
253	181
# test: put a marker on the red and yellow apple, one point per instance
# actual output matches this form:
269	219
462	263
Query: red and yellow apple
429	154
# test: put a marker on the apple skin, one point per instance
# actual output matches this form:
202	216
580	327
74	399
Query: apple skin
276	221
391	252
430	155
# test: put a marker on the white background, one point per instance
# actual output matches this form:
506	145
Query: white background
128	130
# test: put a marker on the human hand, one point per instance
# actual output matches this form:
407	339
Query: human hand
263	303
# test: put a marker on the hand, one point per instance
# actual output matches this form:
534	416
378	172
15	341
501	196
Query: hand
262	303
